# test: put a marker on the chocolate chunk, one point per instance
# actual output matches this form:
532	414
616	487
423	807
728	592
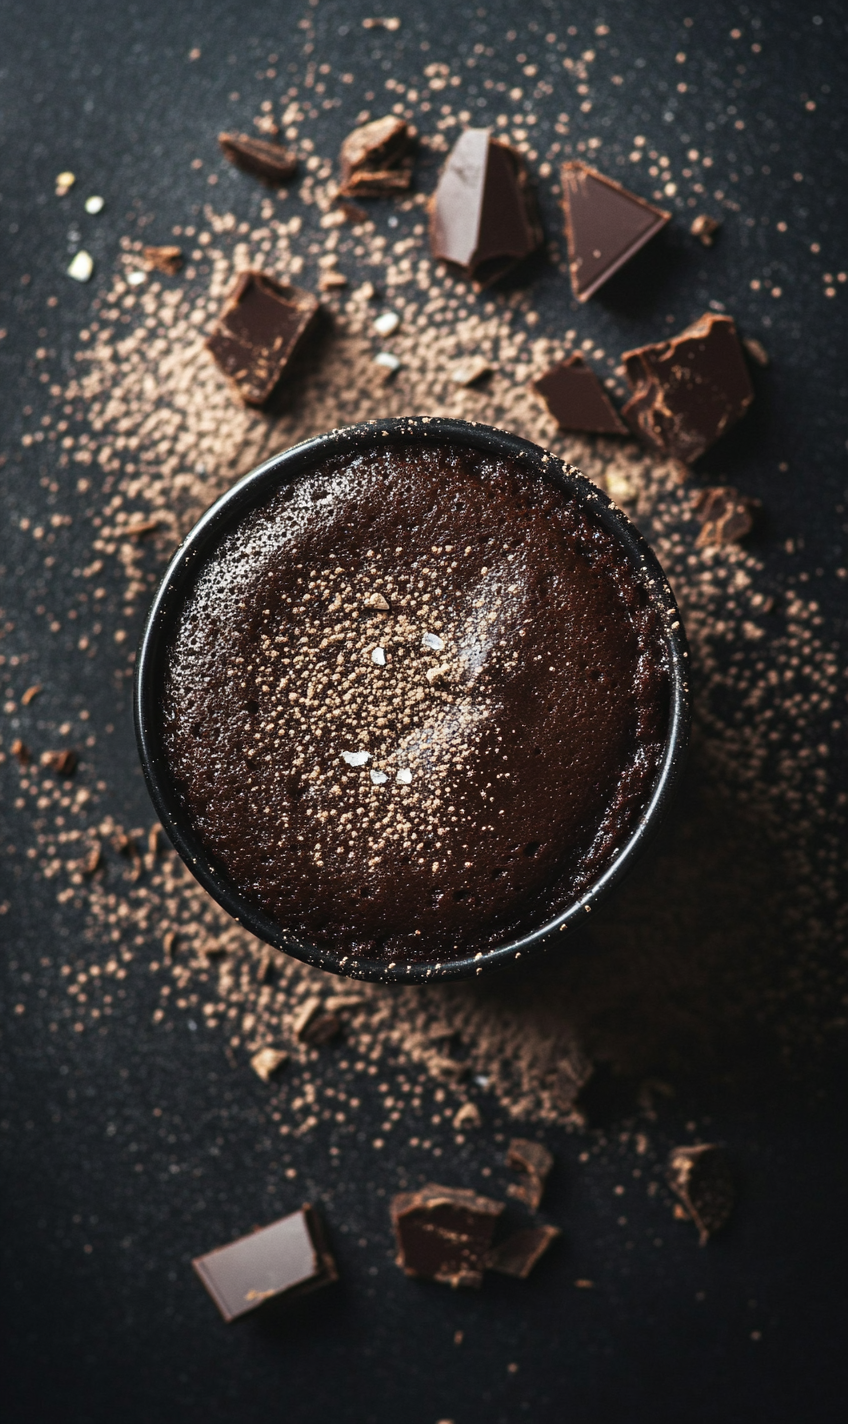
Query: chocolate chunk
268	161
63	763
375	159
705	229
689	390
483	216
518	1253
258	332
726	515
444	1233
353	214
288	1257
267	1061
536	1161
702	1179
321	1029
605	226
163	259
577	400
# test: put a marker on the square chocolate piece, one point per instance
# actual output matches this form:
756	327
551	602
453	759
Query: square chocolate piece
258	332
444	1233
689	390
289	1257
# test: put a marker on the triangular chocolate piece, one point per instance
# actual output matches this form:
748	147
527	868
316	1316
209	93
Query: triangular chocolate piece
605	226
483	217
577	400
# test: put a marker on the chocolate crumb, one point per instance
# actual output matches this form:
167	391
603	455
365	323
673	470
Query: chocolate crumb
169	944
91	862
140	529
444	1233
353	214
471	371
63	763
267	1061
518	1253
375	159
536	1161
705	228
467	1116
321	1030
756	350
726	515
332	281
31	694
21	752
167	259
702	1179
268	161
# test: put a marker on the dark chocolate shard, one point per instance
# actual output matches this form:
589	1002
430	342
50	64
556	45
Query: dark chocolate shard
268	161
605	226
64	763
536	1162
255	337
376	159
444	1233
726	515
483	215
289	1257
518	1253
689	390
577	400
168	259
702	1179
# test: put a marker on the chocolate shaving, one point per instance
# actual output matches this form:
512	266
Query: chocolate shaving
289	1257
577	400
518	1253
321	1029
605	226
483	215
756	350
21	752
536	1161
258	332
163	259
63	763
268	161
376	160
702	1179
705	229
31	694
688	390
444	1233
726	515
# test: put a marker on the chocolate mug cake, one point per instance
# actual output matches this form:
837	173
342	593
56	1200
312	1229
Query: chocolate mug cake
416	699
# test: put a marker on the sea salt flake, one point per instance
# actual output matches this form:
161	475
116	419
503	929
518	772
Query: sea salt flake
94	205
135	279
432	640
378	656
378	777
356	758
387	323
81	267
404	776
387	361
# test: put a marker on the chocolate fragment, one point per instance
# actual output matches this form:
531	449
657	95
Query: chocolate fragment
689	390
353	214
536	1161
163	259
92	861
702	1179
266	1062
141	529
31	694
605	226
290	1257
518	1253
63	763
705	228
268	161
726	515
444	1233
756	350
258	332
483	215
577	400
321	1029
376	160
471	371
21	752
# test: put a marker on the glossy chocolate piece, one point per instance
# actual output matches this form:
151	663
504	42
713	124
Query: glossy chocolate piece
689	390
605	226
268	161
444	1233
577	400
258	332
287	1258
376	160
483	216
702	1179
726	515
535	1161
517	1254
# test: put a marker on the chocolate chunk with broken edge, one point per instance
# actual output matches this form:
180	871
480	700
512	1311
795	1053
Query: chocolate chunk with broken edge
375	159
290	1257
605	226
536	1161
258	332
702	1179
726	515
268	161
444	1233
483	214
577	400
517	1254
688	390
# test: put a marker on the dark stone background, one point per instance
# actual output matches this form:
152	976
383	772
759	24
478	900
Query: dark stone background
124	1331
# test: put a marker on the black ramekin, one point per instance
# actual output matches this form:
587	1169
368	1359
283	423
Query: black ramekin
257	487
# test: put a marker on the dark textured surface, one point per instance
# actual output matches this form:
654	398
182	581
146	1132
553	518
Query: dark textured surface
101	1315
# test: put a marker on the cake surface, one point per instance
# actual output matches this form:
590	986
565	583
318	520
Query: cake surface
416	702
